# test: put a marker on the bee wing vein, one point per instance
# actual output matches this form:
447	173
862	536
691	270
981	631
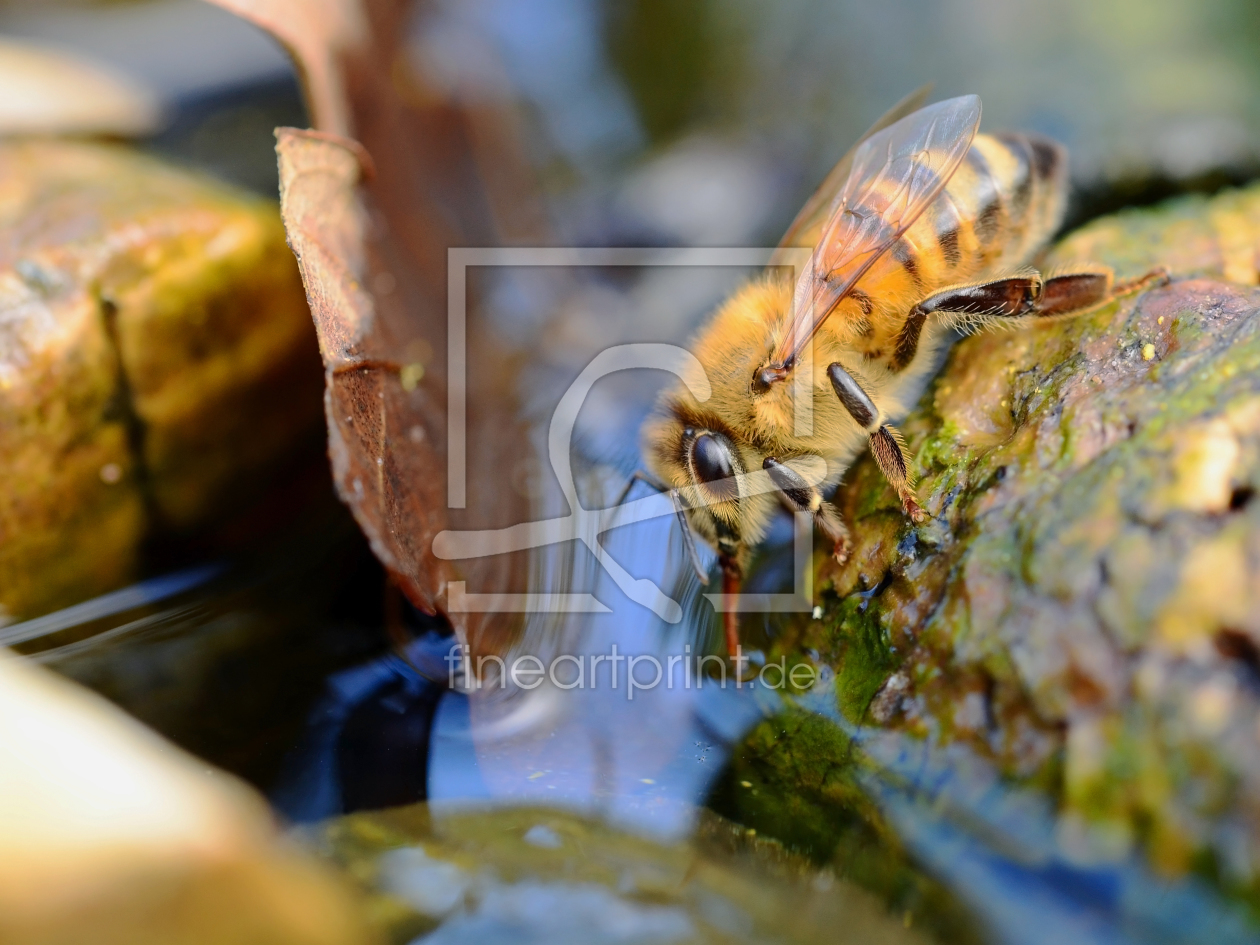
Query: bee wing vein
896	175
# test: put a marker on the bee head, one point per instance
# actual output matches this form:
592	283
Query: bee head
700	459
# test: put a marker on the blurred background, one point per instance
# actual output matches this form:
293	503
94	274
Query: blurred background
642	123
620	100
686	122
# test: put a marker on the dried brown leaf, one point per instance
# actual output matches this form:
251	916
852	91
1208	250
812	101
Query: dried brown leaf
381	437
372	235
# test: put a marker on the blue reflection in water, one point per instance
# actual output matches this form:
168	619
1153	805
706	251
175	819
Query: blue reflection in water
395	731
622	723
140	594
642	757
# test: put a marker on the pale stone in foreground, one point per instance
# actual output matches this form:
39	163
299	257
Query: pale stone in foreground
108	834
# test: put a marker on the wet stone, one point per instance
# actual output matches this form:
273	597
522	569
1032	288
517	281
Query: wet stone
487	876
157	363
1082	612
111	835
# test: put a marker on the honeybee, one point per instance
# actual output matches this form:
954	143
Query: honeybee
924	227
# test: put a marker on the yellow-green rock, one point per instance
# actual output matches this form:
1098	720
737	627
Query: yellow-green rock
1215	237
1082	610
157	362
539	875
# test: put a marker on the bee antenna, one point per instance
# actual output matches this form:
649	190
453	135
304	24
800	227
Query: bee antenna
639	476
689	538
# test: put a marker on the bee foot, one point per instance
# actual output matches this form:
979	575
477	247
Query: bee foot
914	511
1159	276
842	550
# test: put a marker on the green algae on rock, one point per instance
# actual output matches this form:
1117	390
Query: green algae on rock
798	778
156	362
1083	608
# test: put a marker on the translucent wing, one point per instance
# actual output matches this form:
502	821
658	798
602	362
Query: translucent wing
896	175
807	226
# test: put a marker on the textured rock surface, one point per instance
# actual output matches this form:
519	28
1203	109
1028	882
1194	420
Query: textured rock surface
156	361
528	875
1083	608
110	835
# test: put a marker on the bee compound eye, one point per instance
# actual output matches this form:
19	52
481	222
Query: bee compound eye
713	465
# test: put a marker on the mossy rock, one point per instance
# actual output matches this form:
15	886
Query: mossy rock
157	363
543	875
1082	609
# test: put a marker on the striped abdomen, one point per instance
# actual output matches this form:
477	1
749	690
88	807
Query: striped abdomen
999	208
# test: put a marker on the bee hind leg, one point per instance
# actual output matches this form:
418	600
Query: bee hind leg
885	442
1025	294
1000	298
800	496
1074	293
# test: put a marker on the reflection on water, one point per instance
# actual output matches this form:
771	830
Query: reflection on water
644	755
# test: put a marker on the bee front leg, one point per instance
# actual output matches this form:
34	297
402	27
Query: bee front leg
732	579
730	550
884	441
802	497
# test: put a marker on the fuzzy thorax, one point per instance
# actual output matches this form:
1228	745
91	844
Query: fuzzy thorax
732	346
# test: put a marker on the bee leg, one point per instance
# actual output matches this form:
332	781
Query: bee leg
689	540
1002	298
1073	293
728	557
1148	280
730	547
885	442
802	497
1068	293
890	453
732	578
